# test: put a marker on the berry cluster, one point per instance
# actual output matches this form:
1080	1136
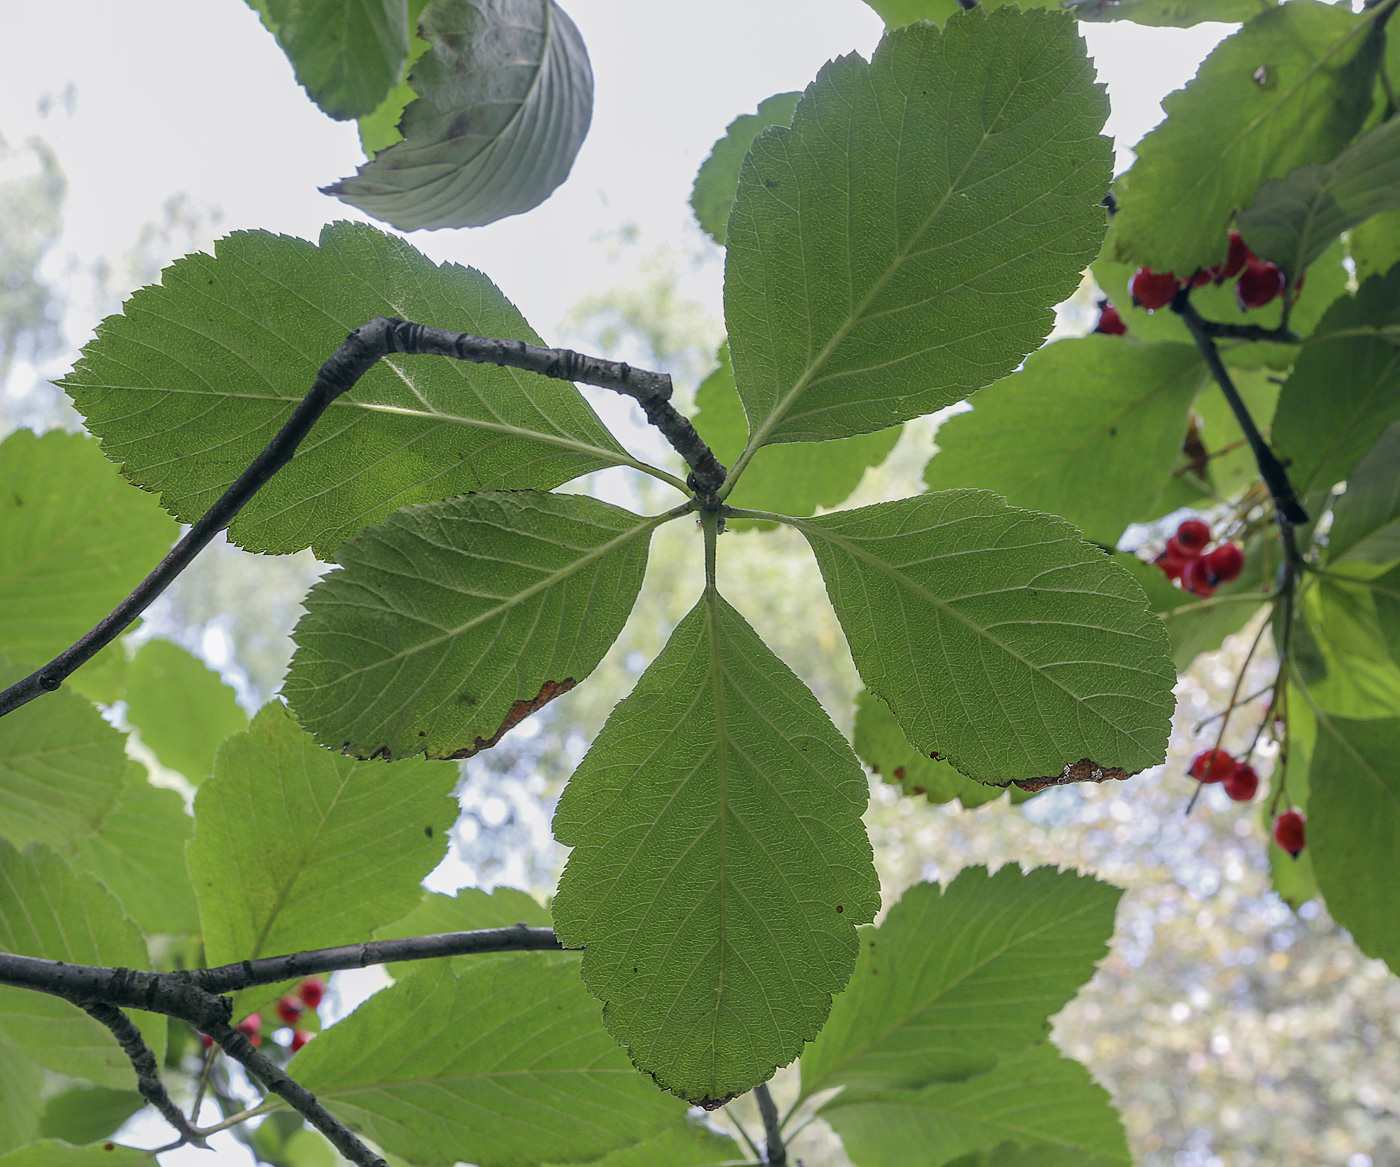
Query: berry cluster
1110	322
290	1011
1257	281
1241	783
1199	571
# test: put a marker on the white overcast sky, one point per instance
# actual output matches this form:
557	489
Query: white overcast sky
193	97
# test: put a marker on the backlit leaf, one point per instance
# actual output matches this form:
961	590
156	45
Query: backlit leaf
504	99
718	177
1294	219
881	745
74	540
61	769
1001	640
84	1114
192	381
903	243
1353	828
682	1144
181	706
1089	430
296	847
1366	519
346	53
20	1084
139	855
719	862
1345	388
50	911
956	977
56	1153
452	621
1033	1097
504	1065
1289	89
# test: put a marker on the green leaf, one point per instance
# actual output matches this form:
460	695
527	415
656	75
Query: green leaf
1000	639
297	848
1032	1097
1366	519
74	540
719	862
21	1082
61	769
1353	829
192	381
50	911
346	53
1289	89
56	1153
181	706
139	855
1168	13
381	127
958	169
84	1114
1345	388
954	978
504	99
713	194
1361	678
1232	468
1375	245
881	745
792	479
453	621
1089	430
1294	219
504	1065
899	12
682	1144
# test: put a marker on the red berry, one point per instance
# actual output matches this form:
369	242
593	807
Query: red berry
206	1041
1238	256
1193	535
300	1038
1212	766
1259	283
1288	832
1152	289
1171	568
1242	784
1203	276
1225	563
289	1010
250	1027
1197	578
311	991
1110	323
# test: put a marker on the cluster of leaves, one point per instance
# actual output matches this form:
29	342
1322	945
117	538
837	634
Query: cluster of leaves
896	240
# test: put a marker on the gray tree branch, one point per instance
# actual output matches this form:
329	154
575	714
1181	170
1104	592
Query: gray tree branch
351	361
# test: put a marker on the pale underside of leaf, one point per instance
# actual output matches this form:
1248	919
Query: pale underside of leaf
999	638
453	621
902	244
719	864
504	100
192	381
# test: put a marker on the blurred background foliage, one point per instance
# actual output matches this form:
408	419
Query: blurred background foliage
1230	1028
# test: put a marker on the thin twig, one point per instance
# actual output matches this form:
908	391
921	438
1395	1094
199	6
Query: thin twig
362	349
1205	721
772	1128
305	1103
1289	508
266	1106
1230	708
143	1061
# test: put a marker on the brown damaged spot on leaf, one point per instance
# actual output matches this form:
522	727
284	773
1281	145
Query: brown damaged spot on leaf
1084	770
518	713
714	1103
